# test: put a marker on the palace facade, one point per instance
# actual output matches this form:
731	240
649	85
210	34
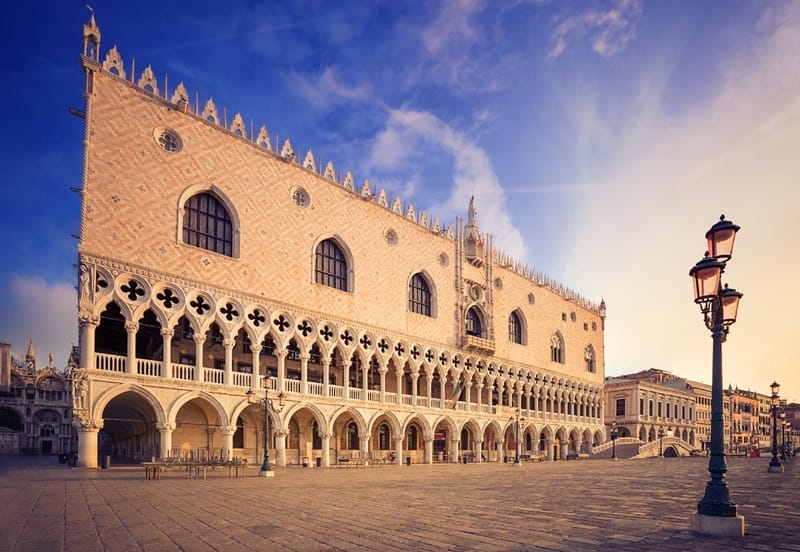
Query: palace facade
212	262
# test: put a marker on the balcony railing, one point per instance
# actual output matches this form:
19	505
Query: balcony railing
186	372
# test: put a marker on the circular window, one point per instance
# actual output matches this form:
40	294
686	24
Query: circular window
390	236
168	139
300	197
443	260
498	284
531	298
475	292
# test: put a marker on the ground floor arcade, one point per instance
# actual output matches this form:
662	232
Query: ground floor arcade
136	423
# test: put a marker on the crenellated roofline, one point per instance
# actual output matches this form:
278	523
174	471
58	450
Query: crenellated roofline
147	83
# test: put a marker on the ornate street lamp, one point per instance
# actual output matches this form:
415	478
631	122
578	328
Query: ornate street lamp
613	434
719	307
661	441
266	405
518	444
775	401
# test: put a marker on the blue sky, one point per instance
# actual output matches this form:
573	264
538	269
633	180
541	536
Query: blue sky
601	139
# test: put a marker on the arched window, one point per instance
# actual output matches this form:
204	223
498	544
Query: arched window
515	328
557	348
207	224
588	355
331	266
383	437
413	436
352	436
419	296
474	323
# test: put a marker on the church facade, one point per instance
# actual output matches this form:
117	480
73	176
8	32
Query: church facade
213	262
35	406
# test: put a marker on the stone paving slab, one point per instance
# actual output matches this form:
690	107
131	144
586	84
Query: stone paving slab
565	506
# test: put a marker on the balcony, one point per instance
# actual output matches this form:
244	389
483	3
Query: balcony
479	344
117	365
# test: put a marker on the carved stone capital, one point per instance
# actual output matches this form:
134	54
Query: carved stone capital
199	338
132	326
167	426
83	423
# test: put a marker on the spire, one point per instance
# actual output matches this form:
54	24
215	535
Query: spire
472	214
91	38
473	244
31	354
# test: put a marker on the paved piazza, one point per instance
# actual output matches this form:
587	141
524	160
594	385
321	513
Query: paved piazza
576	505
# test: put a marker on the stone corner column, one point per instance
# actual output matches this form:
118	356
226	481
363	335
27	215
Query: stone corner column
166	430
87	429
398	450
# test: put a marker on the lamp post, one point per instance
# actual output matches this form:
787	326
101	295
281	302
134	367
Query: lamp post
716	513
775	401
783	435
518	444
265	404
613	434
661	441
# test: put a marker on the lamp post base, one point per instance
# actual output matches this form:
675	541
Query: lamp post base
266	473
775	469
718	526
517	464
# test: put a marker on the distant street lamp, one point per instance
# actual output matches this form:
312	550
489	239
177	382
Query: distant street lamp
266	404
775	401
719	306
518	444
614	433
783	435
661	441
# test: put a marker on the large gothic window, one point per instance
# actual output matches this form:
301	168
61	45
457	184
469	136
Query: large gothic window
207	224
419	296
474	327
331	266
515	328
557	348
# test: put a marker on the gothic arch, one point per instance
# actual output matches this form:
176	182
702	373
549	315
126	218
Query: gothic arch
220	196
341	244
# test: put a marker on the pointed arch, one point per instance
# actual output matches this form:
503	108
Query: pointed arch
333	264
517	328
208	219
422	294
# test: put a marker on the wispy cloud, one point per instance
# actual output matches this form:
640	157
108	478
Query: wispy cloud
325	89
610	29
410	135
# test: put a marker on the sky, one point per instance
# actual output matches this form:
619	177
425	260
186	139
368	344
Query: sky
600	138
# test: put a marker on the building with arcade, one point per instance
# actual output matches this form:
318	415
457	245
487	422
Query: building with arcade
212	261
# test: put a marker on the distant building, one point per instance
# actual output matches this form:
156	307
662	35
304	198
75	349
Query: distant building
745	421
35	406
212	261
645	407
